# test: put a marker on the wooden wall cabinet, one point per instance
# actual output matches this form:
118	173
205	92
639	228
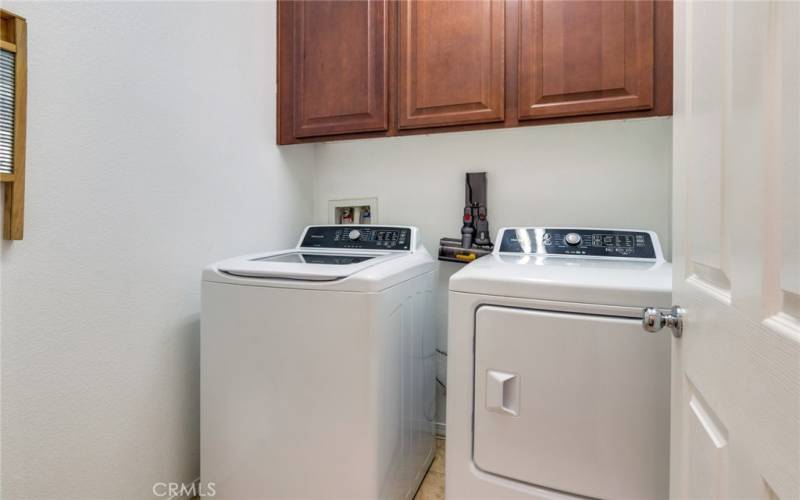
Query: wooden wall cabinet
584	57
333	66
377	68
450	62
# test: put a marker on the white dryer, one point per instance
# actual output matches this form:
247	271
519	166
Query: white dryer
554	389
318	367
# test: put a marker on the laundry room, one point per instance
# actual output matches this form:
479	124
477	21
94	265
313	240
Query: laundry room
400	249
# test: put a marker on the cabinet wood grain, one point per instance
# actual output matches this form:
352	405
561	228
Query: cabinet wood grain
381	68
333	80
585	56
451	62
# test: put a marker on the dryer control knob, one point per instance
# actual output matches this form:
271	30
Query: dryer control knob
354	234
572	239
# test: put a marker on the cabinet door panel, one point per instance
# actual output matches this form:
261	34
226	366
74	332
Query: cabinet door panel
339	66
451	62
585	57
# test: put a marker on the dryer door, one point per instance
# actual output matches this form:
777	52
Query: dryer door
572	402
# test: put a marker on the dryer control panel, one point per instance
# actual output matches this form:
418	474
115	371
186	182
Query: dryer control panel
358	237
614	243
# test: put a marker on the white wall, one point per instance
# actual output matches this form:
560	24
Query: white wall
150	154
613	173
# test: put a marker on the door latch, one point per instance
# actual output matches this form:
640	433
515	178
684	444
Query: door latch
654	320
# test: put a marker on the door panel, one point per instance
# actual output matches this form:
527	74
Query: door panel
584	57
789	156
736	370
339	74
450	62
708	441
572	402
708	101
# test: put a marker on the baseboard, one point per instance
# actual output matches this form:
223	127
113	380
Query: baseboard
439	429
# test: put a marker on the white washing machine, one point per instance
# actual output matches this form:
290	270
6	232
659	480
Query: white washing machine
318	367
554	390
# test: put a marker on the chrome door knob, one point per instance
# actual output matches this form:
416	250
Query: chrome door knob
654	320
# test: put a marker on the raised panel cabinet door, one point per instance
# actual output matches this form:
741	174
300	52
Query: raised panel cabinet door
584	57
451	62
339	66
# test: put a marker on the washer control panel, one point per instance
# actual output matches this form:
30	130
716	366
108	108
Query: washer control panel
358	237
578	242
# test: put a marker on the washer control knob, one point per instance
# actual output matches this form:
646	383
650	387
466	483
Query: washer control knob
354	234
572	239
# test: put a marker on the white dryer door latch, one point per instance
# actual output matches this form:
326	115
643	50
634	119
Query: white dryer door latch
502	392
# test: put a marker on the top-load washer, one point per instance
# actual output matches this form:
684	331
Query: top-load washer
554	389
318	367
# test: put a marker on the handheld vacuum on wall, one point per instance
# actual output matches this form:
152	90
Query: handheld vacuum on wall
475	237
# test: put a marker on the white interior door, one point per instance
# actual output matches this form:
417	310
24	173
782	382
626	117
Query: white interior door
736	371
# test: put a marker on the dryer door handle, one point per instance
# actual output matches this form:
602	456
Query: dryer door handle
502	392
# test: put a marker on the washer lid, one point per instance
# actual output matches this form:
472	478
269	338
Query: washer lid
633	283
306	265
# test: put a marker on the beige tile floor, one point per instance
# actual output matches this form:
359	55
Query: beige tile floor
432	487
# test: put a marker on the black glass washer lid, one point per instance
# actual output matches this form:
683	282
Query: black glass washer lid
316	258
